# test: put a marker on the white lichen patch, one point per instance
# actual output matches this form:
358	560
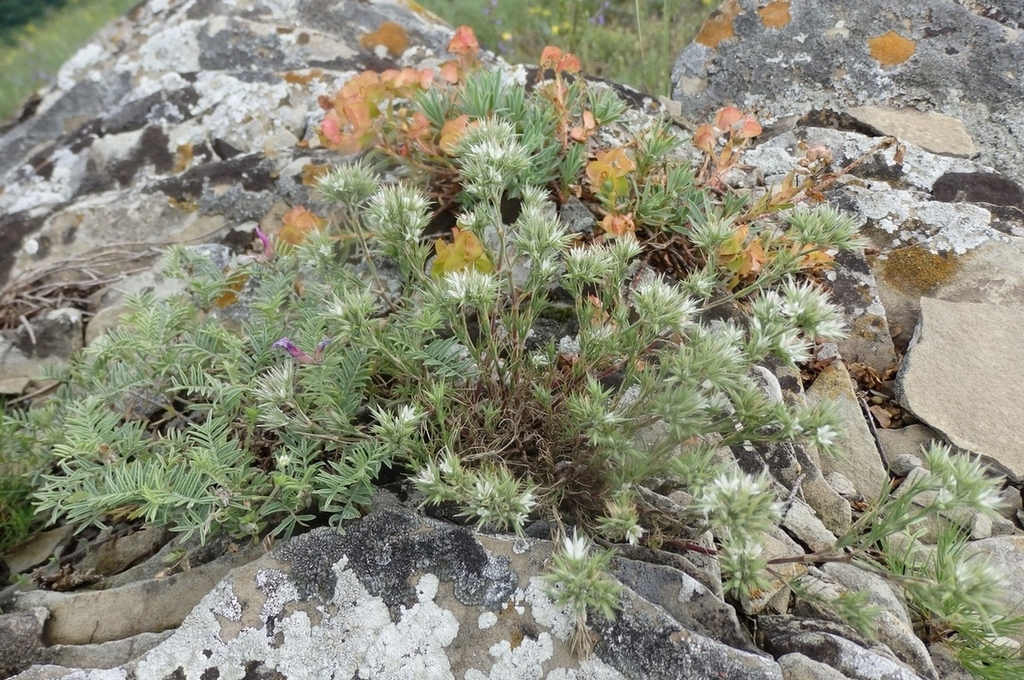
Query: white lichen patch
240	112
225	604
414	647
173	49
66	174
83	60
358	637
279	591
545	611
486	620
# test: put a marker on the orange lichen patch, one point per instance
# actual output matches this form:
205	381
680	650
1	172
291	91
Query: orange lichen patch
891	48
916	271
390	35
775	14
312	172
302	78
718	26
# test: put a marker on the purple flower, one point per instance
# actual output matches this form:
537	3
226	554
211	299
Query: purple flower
268	247
288	346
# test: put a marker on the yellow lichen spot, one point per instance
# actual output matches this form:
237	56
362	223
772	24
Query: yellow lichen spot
891	48
389	34
917	271
312	172
718	26
295	78
183	157
775	14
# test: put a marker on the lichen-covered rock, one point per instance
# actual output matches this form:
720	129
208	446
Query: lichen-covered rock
960	60
399	595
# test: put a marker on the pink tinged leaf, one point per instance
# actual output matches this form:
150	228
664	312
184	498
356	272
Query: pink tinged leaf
749	128
330	128
727	117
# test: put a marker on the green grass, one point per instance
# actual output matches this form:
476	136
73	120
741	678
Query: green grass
31	56
602	33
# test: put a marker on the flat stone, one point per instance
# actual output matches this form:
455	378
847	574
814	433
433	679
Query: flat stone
905	443
36	550
105	654
856	456
990	273
931	131
154	606
958	378
796	666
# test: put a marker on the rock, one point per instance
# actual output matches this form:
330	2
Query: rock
931	131
977	525
857	457
794	56
829	644
799	667
49	340
21	636
775	596
946	664
853	289
905	442
903	464
686	600
801	521
36	550
114	556
88	617
891	627
398	595
990	273
879	591
986	414
1006	556
103	655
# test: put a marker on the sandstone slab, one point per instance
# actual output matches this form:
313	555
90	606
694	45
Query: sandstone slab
856	456
961	379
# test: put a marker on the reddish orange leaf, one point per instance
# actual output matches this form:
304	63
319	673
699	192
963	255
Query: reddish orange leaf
704	138
296	223
568	64
464	42
749	128
618	225
727	117
549	57
582	132
452	132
